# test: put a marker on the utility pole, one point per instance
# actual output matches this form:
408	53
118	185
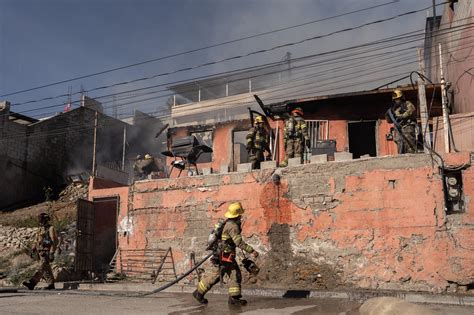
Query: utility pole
95	144
444	101
123	151
425	130
434	14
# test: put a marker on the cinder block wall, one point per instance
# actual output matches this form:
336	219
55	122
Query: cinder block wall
13	146
376	223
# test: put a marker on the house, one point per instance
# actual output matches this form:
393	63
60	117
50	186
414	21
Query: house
36	154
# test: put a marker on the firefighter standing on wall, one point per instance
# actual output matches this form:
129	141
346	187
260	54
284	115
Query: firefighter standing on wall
226	263
295	136
44	245
404	113
257	143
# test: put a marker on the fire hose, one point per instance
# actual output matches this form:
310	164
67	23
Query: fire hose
181	277
399	130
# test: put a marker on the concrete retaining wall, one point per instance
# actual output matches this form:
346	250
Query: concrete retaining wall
376	223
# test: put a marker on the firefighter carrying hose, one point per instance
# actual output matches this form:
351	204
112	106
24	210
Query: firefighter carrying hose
404	114
224	263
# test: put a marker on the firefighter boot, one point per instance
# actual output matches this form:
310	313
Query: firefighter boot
237	300
29	284
199	297
50	287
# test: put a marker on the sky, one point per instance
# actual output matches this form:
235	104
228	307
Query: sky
43	42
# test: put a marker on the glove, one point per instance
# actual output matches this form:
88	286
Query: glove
51	256
255	254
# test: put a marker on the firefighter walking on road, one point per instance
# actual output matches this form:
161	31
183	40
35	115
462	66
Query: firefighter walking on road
404	114
257	143
225	263
44	245
295	136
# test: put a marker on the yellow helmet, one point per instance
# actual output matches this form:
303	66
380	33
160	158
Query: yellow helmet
235	210
397	94
148	157
258	119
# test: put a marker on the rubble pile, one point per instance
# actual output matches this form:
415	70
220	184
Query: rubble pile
73	192
16	237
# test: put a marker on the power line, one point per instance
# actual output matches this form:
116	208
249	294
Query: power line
319	63
199	49
81	127
234	71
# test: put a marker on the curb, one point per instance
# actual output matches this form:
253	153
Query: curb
354	295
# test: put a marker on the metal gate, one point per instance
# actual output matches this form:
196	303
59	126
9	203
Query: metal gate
84	235
318	130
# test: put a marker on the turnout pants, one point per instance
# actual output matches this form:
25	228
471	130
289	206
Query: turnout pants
44	271
408	131
256	157
212	277
293	149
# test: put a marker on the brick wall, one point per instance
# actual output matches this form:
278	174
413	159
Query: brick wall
376	223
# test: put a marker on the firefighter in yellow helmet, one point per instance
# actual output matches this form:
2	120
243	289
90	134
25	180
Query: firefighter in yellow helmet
404	114
257	142
229	239
295	136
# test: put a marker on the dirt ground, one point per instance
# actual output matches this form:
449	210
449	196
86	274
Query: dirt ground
63	207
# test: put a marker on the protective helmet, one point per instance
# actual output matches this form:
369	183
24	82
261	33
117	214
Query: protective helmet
148	157
258	120
397	94
43	217
139	157
298	110
235	210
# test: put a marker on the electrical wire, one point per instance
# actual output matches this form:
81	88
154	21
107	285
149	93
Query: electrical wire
361	83
62	104
236	57
99	97
312	91
199	49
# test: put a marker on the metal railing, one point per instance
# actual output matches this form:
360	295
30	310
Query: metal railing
318	130
141	265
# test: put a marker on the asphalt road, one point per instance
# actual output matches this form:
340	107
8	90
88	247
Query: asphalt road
80	302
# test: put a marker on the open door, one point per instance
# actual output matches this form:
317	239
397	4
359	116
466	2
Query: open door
84	236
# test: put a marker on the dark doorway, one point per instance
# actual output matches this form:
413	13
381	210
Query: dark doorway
105	231
239	153
96	241
362	138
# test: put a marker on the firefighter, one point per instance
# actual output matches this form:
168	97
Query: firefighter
229	240
404	113
257	142
295	136
44	245
144	166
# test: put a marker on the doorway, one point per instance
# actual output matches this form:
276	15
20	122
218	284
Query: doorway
362	138
239	153
96	241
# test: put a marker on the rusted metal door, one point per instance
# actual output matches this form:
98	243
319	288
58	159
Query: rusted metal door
84	235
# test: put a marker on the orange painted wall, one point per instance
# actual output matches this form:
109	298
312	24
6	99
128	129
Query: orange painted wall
379	223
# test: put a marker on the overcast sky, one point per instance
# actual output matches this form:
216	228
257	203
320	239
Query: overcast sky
46	41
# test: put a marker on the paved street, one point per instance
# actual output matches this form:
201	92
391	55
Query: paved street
79	302
75	302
